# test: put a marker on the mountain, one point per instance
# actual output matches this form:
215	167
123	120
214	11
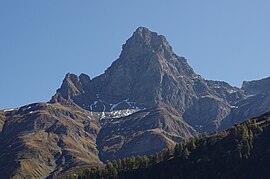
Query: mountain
149	74
147	100
240	152
147	77
41	140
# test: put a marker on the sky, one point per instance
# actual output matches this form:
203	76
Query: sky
41	41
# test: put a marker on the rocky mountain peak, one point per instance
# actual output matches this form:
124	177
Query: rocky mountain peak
73	87
72	78
148	74
144	41
144	34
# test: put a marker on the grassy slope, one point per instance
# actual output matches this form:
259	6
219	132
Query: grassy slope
45	139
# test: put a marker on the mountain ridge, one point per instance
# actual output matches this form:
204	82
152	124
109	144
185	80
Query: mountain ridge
147	100
147	65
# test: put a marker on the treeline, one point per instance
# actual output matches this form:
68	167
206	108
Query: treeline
224	154
115	167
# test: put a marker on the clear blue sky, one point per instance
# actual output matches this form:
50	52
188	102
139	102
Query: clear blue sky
41	41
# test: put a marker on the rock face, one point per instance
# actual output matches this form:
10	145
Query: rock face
148	99
74	87
257	86
148	74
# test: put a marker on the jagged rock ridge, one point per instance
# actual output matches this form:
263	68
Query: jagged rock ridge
148	74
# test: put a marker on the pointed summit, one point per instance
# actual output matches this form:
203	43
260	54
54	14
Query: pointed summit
148	36
145	34
147	72
145	41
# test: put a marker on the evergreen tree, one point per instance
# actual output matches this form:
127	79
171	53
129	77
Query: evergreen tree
186	153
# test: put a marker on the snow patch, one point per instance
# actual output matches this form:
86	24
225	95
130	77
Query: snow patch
234	107
126	107
251	95
232	91
198	127
115	105
103	112
7	110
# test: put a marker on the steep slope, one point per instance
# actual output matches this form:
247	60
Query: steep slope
2	117
41	140
75	88
145	66
240	152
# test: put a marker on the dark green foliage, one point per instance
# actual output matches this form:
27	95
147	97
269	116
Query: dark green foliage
241	152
